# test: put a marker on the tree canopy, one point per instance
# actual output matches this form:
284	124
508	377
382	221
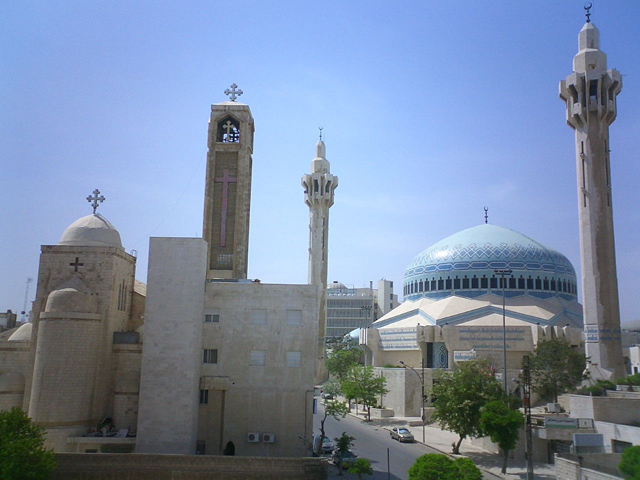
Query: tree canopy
362	466
361	384
555	368
339	362
332	408
460	396
503	425
22	452
436	466
630	463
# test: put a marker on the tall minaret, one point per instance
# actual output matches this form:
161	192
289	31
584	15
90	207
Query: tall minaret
227	196
590	95
319	187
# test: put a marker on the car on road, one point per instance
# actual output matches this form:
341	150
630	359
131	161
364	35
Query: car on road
401	434
327	445
327	396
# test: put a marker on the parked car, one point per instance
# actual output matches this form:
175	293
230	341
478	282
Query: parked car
346	457
327	396
327	445
401	434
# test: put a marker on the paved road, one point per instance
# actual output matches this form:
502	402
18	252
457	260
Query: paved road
372	442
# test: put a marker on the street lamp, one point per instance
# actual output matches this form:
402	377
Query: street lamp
422	385
503	274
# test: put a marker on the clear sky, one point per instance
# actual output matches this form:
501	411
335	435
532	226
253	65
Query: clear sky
431	110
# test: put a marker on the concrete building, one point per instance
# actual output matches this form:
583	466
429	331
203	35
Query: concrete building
590	95
7	320
349	307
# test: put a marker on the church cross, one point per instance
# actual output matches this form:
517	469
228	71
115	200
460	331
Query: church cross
233	93
76	264
225	179
229	128
94	199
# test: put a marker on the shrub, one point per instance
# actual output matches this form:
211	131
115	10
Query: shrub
630	463
435	466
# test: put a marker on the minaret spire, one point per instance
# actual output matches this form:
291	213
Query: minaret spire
590	95
319	187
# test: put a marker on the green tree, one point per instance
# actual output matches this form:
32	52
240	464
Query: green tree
630	463
332	387
362	384
435	466
556	368
22	452
343	443
335	409
362	466
461	394
339	362
503	425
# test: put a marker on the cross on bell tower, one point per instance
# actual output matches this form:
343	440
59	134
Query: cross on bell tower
233	93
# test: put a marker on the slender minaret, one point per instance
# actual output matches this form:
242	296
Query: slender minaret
590	96
318	195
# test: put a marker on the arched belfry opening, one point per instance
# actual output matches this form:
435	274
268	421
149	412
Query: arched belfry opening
228	130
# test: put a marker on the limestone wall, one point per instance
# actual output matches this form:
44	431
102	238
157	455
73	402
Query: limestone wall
185	467
587	467
606	409
172	353
128	360
13	367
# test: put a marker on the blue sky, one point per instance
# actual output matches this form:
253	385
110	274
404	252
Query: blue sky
431	110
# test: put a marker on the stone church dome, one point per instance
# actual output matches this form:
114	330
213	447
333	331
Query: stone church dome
464	263
72	296
22	334
91	231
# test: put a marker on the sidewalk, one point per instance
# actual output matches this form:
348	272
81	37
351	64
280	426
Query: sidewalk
441	440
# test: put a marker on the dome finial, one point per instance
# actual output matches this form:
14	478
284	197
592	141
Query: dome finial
320	132
486	214
94	199
588	6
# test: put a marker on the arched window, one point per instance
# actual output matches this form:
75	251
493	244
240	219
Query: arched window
545	284
228	130
493	282
484	282
465	283
456	283
521	283
553	284
512	282
448	282
529	283
433	285
440	284
538	284
474	282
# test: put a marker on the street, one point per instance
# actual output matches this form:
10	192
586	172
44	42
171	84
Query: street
372	442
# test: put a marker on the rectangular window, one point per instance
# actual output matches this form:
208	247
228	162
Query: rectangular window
256	357
210	355
293	359
212	315
294	318
259	317
204	397
494	282
484	282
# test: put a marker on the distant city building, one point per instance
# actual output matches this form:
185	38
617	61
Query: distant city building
7	320
349	308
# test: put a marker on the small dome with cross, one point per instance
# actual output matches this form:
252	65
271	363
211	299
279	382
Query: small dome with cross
91	231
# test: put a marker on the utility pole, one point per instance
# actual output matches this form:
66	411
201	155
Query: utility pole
503	274
526	401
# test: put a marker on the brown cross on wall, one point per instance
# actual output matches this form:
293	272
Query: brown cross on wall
76	264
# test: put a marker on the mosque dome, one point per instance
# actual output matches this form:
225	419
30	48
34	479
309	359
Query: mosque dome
91	231
22	334
464	264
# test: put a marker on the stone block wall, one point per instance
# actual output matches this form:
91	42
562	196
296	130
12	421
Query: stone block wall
185	467
587	467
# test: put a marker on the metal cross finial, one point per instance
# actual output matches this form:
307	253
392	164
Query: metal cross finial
320	132
233	93
95	198
588	6
486	214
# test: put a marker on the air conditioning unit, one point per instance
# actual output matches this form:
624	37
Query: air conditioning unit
253	437
268	437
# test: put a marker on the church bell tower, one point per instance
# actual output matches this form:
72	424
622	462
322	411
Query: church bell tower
319	187
590	95
227	198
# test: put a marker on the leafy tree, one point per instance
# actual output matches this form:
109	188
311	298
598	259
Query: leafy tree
503	425
335	409
22	452
332	387
362	466
630	463
556	368
362	384
343	443
436	466
460	396
339	362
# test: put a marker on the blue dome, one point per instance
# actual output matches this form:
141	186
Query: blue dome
464	263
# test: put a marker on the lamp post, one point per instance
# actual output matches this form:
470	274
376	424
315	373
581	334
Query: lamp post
422	385
503	274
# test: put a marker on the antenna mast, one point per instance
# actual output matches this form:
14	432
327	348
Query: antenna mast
25	315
